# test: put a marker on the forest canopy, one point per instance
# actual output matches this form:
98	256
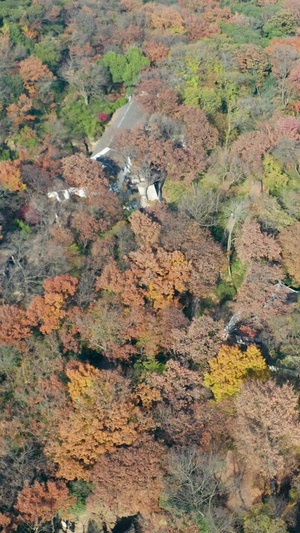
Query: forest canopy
150	352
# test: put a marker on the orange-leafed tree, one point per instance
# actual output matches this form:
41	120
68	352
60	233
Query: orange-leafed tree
19	112
47	311
14	325
165	18
196	243
33	72
160	274
10	176
5	522
104	414
146	230
232	367
39	503
154	275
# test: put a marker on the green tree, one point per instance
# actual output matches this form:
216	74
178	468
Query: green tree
243	34
116	64
281	24
274	178
18	37
48	51
206	98
125	68
136	60
81	119
259	520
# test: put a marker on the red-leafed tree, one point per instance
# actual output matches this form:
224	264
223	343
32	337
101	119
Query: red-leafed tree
251	147
39	503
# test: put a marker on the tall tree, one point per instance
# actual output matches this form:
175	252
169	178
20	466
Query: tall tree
266	428
104	414
39	503
232	367
47	311
289	239
10	176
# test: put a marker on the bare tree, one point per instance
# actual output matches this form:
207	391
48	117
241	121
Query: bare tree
194	480
88	78
201	205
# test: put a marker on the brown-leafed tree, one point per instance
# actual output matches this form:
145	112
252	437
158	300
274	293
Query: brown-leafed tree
252	243
180	413
129	481
266	428
261	294
289	241
200	341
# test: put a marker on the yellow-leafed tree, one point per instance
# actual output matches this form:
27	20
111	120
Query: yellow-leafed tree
232	367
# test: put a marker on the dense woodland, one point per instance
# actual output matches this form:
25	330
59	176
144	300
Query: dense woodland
150	359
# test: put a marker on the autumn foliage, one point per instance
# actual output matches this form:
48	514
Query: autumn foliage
104	415
14	324
47	311
149	266
266	423
232	367
10	176
39	503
